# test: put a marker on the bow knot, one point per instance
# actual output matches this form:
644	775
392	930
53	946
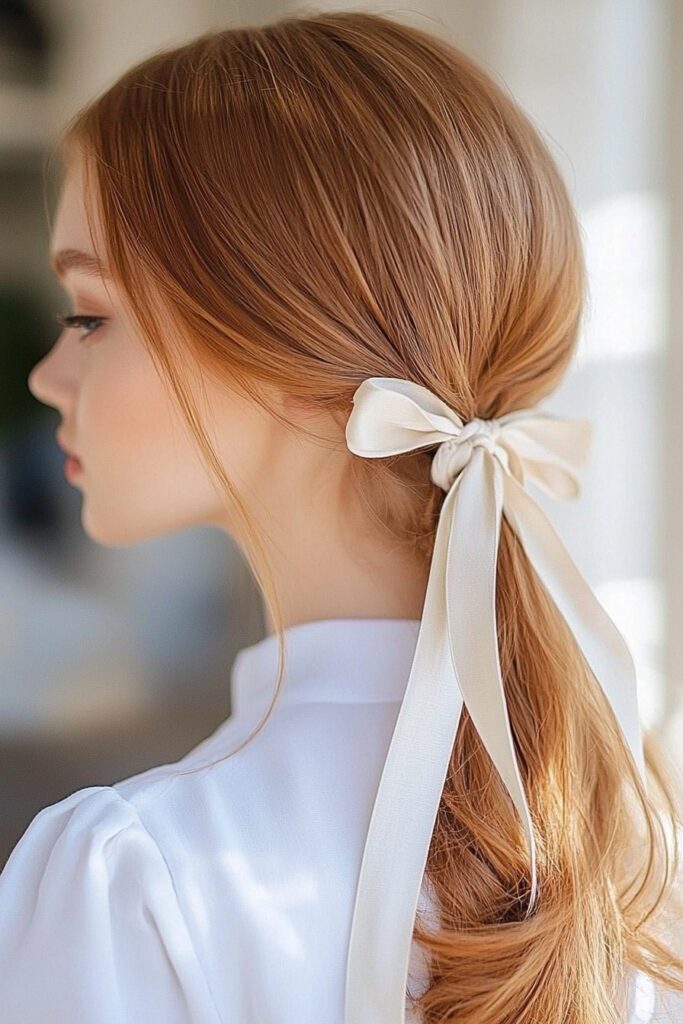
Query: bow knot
454	453
480	431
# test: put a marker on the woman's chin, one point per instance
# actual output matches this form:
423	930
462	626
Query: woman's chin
114	531
119	528
104	532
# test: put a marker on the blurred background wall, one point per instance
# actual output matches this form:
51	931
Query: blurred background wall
114	660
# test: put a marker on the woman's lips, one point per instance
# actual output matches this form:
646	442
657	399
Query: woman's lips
73	464
72	467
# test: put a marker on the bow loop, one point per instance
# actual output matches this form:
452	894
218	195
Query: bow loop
547	451
397	416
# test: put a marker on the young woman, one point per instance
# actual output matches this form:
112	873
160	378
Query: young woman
322	272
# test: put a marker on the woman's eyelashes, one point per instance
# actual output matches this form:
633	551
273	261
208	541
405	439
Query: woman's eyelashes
81	321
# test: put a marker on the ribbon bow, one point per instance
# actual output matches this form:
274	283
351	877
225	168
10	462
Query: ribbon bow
484	466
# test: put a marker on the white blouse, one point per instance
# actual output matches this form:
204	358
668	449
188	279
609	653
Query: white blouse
226	895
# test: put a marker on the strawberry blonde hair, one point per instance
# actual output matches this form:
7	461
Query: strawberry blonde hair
336	196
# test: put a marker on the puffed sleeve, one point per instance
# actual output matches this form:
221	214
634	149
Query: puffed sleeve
90	928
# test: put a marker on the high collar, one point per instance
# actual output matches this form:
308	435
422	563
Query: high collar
331	660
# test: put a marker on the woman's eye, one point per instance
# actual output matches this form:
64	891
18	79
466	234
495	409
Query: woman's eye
83	321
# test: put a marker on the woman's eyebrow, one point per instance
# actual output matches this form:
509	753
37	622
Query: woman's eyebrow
75	259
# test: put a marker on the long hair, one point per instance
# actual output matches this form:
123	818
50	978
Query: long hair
352	197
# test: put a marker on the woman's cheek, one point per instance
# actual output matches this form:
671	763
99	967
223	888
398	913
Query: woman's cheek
145	476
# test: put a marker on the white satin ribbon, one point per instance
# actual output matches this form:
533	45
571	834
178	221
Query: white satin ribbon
484	466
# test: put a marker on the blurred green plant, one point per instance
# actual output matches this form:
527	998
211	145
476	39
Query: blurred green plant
24	339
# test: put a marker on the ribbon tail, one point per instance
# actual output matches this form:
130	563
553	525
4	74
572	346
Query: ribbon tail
602	644
473	637
404	812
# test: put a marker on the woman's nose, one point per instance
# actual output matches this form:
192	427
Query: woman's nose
52	379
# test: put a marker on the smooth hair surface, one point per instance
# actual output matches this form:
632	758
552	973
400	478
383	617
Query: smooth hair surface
353	196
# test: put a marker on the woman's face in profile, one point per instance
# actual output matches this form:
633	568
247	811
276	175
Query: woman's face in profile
140	474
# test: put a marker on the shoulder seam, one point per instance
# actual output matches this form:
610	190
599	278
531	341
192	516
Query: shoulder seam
136	811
